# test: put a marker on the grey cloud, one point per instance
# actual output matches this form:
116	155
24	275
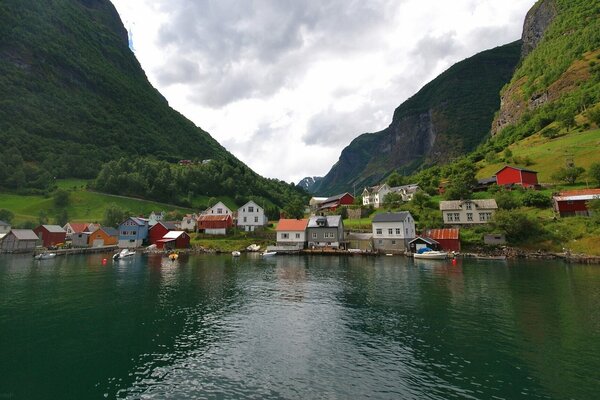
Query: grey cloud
178	70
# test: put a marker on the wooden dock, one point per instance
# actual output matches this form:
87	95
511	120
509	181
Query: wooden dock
78	250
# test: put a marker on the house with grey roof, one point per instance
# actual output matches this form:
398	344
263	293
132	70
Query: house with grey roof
133	232
468	212
374	195
407	192
19	241
392	231
325	231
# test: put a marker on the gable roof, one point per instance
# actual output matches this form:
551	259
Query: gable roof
336	197
442	234
110	231
391	216
517	168
218	217
333	221
217	204
173	234
138	221
485	204
169	225
54	228
578	194
425	239
77	227
250	203
291	225
24	234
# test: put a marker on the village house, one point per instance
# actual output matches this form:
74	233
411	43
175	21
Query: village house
133	232
214	224
326	231
75	227
448	238
174	240
314	203
292	233
218	209
19	241
468	212
4	227
509	176
155	218
80	239
374	195
484	184
334	202
159	230
360	241
574	202
188	222
392	231
251	216
105	236
51	235
407	192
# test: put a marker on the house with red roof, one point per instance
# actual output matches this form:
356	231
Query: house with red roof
75	227
447	238
216	224
574	202
334	202
292	232
509	176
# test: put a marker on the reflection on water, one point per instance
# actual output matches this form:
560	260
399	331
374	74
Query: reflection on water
211	326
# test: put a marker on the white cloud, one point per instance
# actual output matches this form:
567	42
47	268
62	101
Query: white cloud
286	85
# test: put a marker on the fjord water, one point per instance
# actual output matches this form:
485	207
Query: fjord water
292	327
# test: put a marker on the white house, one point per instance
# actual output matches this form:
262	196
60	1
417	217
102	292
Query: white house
315	202
218	209
292	233
392	231
468	212
375	195
188	222
406	192
250	216
155	218
4	227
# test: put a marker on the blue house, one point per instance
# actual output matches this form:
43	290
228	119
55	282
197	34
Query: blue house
133	232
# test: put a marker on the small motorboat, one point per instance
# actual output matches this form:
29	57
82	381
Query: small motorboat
173	256
236	253
253	247
268	253
45	256
125	253
428	254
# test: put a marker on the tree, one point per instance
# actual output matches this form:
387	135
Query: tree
61	198
62	217
506	200
517	225
395	179
422	200
507	154
113	215
42	217
536	199
462	180
594	207
594	173
6	215
568	174
392	200
294	209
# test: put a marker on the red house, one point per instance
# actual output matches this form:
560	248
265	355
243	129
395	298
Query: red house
448	238
516	176
159	230
215	224
574	202
333	202
51	235
174	240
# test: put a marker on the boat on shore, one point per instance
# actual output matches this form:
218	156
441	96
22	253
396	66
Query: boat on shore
125	253
236	253
431	255
253	247
45	256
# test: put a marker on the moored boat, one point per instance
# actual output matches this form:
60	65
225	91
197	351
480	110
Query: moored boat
268	253
236	253
45	256
125	253
431	255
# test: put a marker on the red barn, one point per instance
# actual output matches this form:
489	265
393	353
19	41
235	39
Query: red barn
174	240
51	235
574	202
516	176
333	202
215	224
448	238
159	230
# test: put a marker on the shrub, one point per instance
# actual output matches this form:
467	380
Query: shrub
506	200
536	199
516	224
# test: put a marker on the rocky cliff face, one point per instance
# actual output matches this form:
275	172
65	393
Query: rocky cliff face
446	118
537	21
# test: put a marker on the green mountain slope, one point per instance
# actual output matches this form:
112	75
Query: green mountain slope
73	97
448	117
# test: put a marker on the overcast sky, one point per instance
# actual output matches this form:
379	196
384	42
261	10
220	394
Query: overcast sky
285	85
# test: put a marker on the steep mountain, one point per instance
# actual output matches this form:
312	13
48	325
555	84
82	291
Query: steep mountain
309	182
73	97
559	76
448	117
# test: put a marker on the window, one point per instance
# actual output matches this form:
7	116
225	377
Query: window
485	216
245	219
250	209
398	231
469	217
285	236
393	242
380	241
297	236
390	231
219	211
449	216
457	217
379	231
468	205
406	229
314	235
255	219
329	235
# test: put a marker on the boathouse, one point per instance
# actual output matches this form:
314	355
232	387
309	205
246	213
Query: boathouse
105	236
51	235
174	240
19	241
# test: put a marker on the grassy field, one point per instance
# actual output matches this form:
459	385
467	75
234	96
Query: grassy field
549	155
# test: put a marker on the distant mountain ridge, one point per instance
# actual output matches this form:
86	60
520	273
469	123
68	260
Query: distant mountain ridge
447	118
309	182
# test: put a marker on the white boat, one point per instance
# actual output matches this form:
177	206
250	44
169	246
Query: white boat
253	247
431	255
45	256
236	253
123	254
268	253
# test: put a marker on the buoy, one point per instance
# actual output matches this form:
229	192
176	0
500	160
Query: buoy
104	261
454	261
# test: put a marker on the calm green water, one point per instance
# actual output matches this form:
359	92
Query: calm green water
297	327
